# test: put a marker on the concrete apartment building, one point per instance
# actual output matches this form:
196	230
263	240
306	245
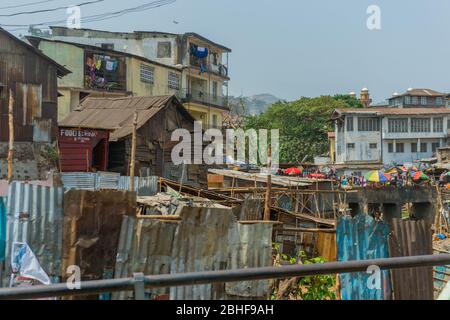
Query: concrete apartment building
411	127
99	72
203	83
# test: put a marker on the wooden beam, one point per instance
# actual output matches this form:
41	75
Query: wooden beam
11	136
133	151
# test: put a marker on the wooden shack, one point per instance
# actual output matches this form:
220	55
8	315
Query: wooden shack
158	117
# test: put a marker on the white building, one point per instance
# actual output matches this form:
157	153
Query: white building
389	135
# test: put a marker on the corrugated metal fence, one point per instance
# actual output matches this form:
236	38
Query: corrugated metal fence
145	186
362	238
34	214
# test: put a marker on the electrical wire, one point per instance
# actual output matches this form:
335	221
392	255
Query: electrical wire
48	10
101	17
27	4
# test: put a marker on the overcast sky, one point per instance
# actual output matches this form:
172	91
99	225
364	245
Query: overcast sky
294	48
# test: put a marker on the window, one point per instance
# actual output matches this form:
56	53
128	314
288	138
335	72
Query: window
414	147
390	147
164	49
423	147
372	145
420	125
350	146
438	125
214	120
147	73
415	100
215	58
400	147
368	124
398	125
407	100
174	80
439	101
349	123
423	100
214	90
435	146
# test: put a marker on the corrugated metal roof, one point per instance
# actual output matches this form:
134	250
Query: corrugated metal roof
35	216
144	186
411	238
394	111
250	246
362	238
117	114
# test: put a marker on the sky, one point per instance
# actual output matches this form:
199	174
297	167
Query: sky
295	48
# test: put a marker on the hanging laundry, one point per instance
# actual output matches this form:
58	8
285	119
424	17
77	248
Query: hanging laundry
199	52
110	65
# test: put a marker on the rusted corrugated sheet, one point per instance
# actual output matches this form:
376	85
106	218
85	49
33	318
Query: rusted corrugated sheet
201	251
250	246
42	130
145	245
251	209
92	222
362	238
326	245
204	238
35	216
411	238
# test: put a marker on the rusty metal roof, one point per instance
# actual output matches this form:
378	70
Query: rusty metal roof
116	114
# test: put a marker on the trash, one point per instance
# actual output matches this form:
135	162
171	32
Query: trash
25	266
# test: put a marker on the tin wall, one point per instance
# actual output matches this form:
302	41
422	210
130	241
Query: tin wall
34	214
362	238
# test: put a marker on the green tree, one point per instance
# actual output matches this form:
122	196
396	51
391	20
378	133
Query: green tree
303	124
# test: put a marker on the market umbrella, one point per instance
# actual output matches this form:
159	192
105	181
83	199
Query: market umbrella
419	176
293	171
392	171
317	175
377	176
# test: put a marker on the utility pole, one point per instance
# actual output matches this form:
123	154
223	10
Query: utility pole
133	150
269	185
11	136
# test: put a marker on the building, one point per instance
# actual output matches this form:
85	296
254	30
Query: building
203	87
97	136
32	78
332	146
418	98
99	72
389	135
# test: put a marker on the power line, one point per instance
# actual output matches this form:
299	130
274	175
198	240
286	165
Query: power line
27	4
101	17
48	10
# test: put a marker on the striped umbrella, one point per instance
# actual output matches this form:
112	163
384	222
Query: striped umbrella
377	176
418	176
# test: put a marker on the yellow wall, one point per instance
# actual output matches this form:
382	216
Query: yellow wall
332	143
140	88
199	111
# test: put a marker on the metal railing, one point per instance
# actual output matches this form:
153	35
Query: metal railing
139	282
202	97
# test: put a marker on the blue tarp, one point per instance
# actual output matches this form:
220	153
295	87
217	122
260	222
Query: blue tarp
2	228
362	238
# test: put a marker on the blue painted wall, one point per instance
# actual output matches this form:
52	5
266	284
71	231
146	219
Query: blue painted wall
362	238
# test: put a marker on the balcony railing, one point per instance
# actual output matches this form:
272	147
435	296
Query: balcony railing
218	69
202	97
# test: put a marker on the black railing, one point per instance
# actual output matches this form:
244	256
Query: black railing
202	97
139	282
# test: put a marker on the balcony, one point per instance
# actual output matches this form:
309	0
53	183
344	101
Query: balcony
203	64
104	72
201	97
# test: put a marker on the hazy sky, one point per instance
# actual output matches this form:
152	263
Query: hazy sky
294	48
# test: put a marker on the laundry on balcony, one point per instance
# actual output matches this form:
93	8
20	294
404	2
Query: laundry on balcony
102	72
199	52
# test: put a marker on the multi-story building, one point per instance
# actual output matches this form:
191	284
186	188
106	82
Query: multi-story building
418	98
204	63
389	135
102	72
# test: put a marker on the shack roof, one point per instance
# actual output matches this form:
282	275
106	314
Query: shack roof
117	114
61	70
390	111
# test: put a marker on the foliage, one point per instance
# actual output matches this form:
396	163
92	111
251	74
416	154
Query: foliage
317	287
303	124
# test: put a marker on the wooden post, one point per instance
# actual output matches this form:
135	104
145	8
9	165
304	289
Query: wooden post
11	136
133	151
269	185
